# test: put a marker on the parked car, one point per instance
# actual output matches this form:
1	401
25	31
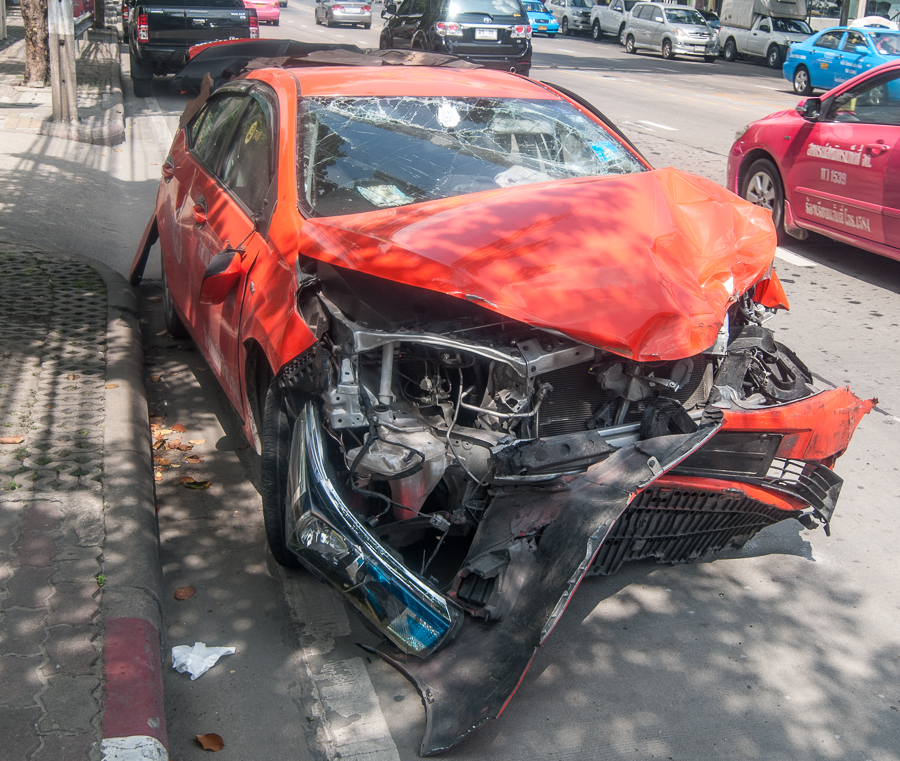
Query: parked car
572	15
334	12
475	367
495	34
267	11
832	165
670	29
542	21
835	55
608	18
711	18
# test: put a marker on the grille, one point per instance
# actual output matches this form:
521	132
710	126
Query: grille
576	396
677	525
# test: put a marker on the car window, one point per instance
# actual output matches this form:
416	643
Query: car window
404	8
490	7
361	154
647	12
887	43
791	26
829	40
873	102
684	16
854	39
212	127
247	168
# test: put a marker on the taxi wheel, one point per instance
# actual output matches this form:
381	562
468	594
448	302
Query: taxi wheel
275	451
596	31
629	44
762	186
802	84
564	28
773	57
174	324
667	51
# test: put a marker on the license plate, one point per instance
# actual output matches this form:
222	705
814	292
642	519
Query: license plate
542	29
351	10
485	34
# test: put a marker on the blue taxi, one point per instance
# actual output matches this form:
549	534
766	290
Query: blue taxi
542	21
835	55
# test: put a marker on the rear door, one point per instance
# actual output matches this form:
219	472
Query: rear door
825	62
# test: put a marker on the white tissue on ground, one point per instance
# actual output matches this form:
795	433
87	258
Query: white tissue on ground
197	660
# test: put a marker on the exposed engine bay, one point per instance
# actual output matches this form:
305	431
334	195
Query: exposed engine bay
457	473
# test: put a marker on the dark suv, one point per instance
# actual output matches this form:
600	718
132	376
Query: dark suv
493	33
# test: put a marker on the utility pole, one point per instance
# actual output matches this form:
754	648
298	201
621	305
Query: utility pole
61	29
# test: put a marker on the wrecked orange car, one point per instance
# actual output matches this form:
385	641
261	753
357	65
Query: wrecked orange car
483	348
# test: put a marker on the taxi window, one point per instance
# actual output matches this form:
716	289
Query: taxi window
247	168
854	39
212	127
829	40
873	102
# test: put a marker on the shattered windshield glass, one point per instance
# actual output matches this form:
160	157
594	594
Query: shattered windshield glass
361	154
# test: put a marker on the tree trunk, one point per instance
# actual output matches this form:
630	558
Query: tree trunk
99	14
37	50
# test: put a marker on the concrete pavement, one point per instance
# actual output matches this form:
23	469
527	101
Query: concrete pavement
80	621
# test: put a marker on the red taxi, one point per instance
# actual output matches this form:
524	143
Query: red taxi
831	166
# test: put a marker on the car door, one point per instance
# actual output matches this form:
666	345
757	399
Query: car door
758	38
844	174
857	56
826	59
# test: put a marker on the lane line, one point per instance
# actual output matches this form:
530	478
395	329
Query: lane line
658	126
792	258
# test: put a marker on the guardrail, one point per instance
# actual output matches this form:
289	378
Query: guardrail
84	22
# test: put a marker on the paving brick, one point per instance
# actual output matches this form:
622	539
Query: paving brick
76	571
42	516
17	730
34	548
22	631
73	603
10	522
70	704
20	679
65	747
70	650
29	587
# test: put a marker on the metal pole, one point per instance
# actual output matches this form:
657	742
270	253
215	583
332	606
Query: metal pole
61	29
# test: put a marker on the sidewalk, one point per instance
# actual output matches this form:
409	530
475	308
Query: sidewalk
80	619
98	75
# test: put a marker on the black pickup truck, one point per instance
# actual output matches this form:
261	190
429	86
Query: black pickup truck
159	33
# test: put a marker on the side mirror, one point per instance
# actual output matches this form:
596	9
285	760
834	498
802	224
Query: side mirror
221	276
861	49
389	10
810	109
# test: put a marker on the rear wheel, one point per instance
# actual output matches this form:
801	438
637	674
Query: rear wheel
596	31
564	27
277	427
621	35
762	186
729	53
367	26
773	57
802	85
629	44
328	22
174	324
667	51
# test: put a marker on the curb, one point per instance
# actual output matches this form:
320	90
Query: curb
134	720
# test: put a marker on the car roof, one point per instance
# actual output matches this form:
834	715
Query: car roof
418	81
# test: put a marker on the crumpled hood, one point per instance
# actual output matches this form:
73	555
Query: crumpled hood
642	265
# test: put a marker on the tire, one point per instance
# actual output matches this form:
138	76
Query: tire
729	53
564	27
621	34
276	448
174	324
316	19
328	22
802	85
366	26
596	31
141	77
773	57
276	22
629	45
667	51
762	186
710	58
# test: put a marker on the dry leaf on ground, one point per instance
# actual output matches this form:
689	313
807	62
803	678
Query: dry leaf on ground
185	447
179	428
160	460
157	476
111	385
73	376
164	431
194	458
12	439
159	444
185	480
197	484
156	378
174	444
196	441
212	741
184	593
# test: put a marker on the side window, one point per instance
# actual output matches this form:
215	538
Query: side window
875	102
404	8
854	39
829	41
764	27
247	169
213	125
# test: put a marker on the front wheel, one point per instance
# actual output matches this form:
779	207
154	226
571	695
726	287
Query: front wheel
564	28
596	31
763	187
174	324
277	429
729	53
667	51
802	85
710	58
773	57
629	44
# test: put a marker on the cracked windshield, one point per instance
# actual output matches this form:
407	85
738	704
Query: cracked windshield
361	154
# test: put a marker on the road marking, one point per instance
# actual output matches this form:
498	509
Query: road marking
658	126
163	134
671	71
795	259
562	50
766	87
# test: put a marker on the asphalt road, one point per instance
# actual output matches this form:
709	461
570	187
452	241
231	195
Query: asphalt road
789	649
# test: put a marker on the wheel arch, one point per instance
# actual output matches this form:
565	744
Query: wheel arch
258	375
750	158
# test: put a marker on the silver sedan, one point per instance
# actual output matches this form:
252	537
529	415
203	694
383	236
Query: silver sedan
332	12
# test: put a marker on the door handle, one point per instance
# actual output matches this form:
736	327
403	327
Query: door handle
168	169
877	149
199	212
